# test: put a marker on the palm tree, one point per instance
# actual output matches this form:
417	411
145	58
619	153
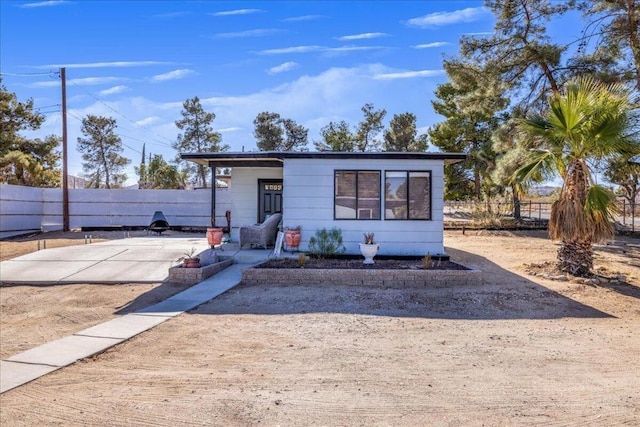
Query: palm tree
589	121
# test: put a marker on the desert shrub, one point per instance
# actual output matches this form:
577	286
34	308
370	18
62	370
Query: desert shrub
326	242
302	259
427	261
494	215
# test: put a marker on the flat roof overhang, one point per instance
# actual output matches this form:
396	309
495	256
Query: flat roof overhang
276	158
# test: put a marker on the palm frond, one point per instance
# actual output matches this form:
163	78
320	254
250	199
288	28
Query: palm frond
600	208
568	221
539	166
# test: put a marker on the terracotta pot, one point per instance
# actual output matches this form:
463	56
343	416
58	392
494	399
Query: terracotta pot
214	236
191	263
292	238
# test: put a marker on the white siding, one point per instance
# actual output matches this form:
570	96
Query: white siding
308	201
244	203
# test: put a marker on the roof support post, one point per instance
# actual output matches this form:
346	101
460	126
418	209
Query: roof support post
213	194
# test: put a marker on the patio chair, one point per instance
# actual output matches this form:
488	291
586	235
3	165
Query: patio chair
261	235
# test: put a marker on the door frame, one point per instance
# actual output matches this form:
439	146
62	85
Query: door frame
262	182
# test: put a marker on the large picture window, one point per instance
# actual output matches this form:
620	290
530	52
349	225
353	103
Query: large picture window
407	195
357	194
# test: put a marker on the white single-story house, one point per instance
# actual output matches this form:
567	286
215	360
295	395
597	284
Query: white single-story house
397	196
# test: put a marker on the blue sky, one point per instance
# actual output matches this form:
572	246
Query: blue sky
313	62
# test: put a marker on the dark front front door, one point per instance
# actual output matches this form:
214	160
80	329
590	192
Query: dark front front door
269	198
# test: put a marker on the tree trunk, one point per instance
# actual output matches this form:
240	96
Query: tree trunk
516	203
575	258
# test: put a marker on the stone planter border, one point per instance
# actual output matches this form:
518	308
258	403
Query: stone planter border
191	276
358	277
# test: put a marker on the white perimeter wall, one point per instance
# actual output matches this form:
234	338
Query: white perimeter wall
28	209
308	201
244	204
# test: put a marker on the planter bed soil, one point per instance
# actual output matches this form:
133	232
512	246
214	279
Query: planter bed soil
356	263
387	273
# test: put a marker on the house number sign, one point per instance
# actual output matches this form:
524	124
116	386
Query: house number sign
273	187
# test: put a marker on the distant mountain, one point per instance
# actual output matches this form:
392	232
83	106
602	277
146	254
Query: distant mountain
543	190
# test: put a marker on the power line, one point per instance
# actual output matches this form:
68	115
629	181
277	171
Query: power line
127	136
50	73
121	134
122	115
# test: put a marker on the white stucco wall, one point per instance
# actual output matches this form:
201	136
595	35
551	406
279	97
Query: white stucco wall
309	198
244	203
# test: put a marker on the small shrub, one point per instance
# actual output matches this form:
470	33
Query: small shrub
187	255
302	259
427	261
326	242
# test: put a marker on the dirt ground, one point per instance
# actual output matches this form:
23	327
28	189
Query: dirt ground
514	350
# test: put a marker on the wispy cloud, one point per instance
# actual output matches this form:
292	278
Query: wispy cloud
283	67
408	74
292	49
172	75
148	121
171	15
236	12
260	32
344	49
439	19
230	129
116	64
431	45
315	48
87	81
362	36
114	90
303	18
43	4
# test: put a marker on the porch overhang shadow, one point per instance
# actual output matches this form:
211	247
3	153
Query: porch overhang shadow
238	163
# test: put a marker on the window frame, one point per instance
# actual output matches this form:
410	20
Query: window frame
407	175
357	172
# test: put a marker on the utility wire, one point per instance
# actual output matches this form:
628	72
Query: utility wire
120	114
28	74
130	137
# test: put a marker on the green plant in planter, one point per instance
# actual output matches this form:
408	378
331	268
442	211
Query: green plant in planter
326	243
188	260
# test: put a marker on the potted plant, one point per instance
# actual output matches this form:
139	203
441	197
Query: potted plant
190	261
292	236
369	248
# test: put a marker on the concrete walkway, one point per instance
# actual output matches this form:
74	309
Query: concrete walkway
31	364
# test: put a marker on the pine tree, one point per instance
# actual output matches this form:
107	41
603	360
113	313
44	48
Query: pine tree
198	136
101	147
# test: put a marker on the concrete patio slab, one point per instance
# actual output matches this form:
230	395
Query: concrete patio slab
65	351
132	260
93	252
41	272
14	374
123	327
123	272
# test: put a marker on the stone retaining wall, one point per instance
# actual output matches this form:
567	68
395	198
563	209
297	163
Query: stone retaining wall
191	276
373	277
